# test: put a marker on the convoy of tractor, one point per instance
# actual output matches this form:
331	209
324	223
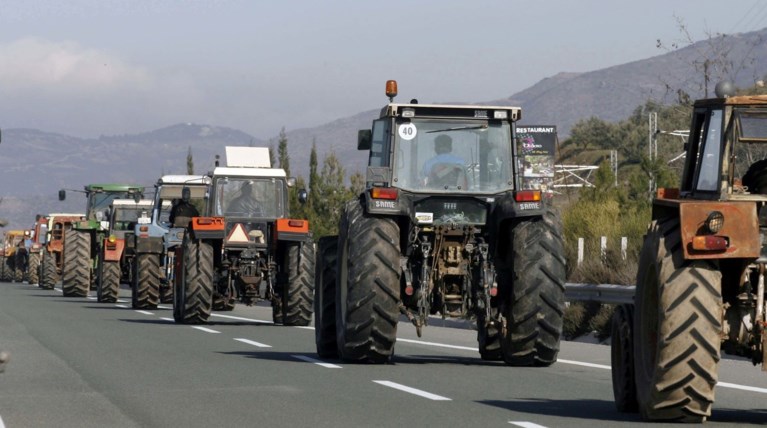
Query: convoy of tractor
445	227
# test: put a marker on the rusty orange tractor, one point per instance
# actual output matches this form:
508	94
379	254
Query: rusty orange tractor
52	253
701	278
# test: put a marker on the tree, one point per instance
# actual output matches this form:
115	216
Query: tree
282	151
189	162
314	178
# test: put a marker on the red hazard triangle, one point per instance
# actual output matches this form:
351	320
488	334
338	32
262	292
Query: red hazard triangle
237	234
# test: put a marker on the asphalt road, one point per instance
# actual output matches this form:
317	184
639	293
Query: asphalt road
79	363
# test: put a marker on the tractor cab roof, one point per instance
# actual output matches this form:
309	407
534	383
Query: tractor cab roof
452	111
186	180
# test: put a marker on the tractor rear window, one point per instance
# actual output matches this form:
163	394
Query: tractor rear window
753	125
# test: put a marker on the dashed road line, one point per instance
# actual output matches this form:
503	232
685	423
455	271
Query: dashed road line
526	424
2	425
581	363
122	306
252	342
145	312
167	319
164	307
413	391
232	317
205	329
318	362
742	387
441	345
90	298
305	327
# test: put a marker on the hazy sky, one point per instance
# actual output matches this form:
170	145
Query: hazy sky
91	67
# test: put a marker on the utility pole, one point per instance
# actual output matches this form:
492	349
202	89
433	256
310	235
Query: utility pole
652	142
614	165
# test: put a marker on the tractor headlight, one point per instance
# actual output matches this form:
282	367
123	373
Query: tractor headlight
715	221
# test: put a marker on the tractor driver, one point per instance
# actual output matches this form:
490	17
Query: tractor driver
443	146
246	202
183	211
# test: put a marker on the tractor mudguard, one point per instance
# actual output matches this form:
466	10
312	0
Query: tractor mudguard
113	250
207	227
153	245
292	230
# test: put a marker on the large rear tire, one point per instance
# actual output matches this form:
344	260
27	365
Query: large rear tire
76	269
49	276
298	292
622	359
108	288
677	329
533	275
368	286
325	298
33	269
193	297
145	288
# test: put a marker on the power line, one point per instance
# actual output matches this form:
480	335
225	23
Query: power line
745	15
757	17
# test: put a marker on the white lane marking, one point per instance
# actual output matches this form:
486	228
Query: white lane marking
121	301
526	424
122	306
167	319
410	390
2	425
580	363
742	387
205	329
231	317
91	298
318	362
164	307
305	327
441	345
252	342
145	312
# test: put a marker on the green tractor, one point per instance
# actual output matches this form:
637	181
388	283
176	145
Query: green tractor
82	243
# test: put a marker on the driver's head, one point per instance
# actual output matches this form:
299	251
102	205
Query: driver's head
246	188
186	194
443	144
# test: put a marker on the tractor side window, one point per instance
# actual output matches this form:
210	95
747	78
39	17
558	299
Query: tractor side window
379	146
708	167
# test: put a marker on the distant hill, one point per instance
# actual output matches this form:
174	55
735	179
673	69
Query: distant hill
36	164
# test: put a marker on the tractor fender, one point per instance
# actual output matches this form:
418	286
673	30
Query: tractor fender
152	245
113	250
292	229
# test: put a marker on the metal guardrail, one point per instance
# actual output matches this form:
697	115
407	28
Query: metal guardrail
603	293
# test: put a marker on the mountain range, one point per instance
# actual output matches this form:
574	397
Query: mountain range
36	164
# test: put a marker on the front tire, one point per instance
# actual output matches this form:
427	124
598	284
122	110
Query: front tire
76	269
325	298
622	359
108	288
33	269
193	297
533	275
146	282
368	286
298	291
49	277
677	329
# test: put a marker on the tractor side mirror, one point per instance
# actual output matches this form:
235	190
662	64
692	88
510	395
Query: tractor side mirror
364	139
62	194
303	196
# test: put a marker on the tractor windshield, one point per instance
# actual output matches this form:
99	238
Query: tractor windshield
249	197
467	156
125	217
100	201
